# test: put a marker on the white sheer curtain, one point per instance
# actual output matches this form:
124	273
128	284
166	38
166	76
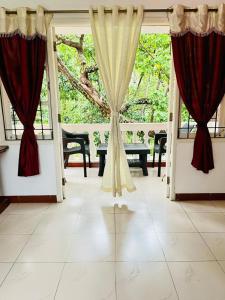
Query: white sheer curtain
116	36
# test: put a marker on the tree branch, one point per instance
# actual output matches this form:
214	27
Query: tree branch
139	83
141	47
88	92
62	40
140	101
91	69
84	85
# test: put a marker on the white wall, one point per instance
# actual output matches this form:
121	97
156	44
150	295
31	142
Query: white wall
43	184
11	184
190	180
50	179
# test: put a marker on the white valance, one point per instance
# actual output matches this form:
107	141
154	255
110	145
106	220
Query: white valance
201	22
24	23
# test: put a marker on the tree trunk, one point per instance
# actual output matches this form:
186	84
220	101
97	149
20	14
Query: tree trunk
86	90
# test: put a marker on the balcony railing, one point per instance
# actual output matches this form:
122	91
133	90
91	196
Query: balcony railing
131	133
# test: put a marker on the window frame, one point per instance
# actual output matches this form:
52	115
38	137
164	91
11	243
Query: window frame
217	131
9	125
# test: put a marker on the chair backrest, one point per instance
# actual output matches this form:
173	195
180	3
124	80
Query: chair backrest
158	136
64	137
84	136
64	134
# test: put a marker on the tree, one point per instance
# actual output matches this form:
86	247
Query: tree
81	88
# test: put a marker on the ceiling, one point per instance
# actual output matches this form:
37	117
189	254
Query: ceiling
84	4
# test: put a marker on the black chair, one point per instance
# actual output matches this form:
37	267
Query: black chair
159	147
79	138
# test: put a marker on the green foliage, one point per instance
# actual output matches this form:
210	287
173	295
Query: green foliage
43	115
150	80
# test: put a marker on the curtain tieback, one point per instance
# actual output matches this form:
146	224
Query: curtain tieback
201	125
28	127
114	114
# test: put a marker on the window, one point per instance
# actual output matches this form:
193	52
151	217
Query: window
43	123
187	126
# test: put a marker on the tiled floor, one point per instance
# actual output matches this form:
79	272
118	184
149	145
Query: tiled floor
94	247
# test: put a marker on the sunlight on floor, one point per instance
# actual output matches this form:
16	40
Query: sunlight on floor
90	247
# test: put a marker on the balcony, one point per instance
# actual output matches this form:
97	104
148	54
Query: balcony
131	133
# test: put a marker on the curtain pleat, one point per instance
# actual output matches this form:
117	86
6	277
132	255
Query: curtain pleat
23	55
199	61
116	38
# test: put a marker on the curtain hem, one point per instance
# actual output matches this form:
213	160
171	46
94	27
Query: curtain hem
22	35
201	34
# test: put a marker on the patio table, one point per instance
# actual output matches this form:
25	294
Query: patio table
136	148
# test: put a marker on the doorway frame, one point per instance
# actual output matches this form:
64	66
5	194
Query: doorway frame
55	111
81	23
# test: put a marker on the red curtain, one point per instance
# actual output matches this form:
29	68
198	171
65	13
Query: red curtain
199	63
21	71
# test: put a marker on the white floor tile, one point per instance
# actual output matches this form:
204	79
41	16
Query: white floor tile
220	205
138	247
68	206
134	223
87	281
11	246
208	222
184	247
46	248
144	281
26	208
198	280
28	281
222	264
162	205
172	222
2	216
19	223
98	205
94	223
133	205
216	242
56	223
92	248
4	269
200	206
92	234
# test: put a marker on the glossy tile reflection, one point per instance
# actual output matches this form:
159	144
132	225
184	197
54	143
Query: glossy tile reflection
140	246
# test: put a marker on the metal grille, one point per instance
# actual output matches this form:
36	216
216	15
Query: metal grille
43	121
187	126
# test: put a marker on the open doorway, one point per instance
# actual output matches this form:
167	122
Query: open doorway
83	101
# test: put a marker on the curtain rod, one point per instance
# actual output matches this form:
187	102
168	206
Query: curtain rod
85	11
